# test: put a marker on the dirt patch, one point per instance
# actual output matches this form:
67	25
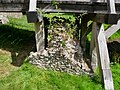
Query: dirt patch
4	52
5	66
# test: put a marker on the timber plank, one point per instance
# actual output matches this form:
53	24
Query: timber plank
67	1
71	1
76	6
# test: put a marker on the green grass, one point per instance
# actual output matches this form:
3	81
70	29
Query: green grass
16	42
115	35
18	23
29	77
116	75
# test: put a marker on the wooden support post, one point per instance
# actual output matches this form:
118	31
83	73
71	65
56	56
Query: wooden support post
40	37
36	18
46	24
103	57
83	35
93	52
111	30
32	15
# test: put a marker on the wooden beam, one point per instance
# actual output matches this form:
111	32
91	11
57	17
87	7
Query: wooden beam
40	37
103	57
79	7
103	18
112	29
106	18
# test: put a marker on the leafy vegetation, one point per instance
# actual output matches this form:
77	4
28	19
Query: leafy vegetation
16	42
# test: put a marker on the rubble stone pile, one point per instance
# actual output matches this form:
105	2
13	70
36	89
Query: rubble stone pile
63	54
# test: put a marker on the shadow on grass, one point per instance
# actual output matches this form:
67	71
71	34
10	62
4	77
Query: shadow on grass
19	42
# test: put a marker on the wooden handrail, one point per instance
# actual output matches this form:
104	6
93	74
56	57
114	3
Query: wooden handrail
111	6
32	5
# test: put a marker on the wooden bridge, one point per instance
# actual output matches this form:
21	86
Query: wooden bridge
99	11
76	6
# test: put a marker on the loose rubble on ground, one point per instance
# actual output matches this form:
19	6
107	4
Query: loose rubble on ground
63	54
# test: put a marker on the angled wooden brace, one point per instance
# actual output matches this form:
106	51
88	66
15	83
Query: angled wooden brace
103	56
112	29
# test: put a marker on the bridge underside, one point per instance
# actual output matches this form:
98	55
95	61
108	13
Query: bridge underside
76	6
